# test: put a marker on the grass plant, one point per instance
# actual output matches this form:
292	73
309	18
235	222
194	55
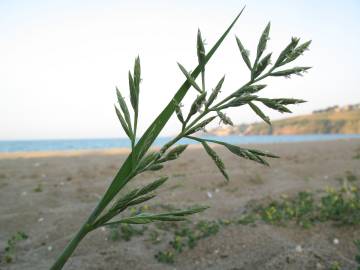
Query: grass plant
357	256
187	236
340	206
111	209
10	248
357	153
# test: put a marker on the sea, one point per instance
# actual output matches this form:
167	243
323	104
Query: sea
108	143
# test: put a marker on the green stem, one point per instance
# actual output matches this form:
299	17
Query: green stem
247	84
83	231
207	110
201	115
203	80
183	132
229	97
201	140
71	246
214	108
134	138
135	124
173	141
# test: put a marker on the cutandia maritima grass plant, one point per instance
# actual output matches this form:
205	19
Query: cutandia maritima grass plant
205	108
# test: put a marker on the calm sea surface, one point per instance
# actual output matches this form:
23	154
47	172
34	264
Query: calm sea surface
55	145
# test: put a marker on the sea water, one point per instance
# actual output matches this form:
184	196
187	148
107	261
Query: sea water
78	144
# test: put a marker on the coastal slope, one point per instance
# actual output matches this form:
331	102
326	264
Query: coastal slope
333	120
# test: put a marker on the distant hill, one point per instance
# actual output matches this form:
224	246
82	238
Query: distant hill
341	120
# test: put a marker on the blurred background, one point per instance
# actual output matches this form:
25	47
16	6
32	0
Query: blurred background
61	60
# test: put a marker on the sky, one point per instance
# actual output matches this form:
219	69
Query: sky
61	60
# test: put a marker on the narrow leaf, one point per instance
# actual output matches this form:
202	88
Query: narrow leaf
288	101
137	78
144	218
245	153
262	42
195	107
147	160
200	50
257	110
124	201
187	212
179	114
225	119
155	167
295	53
260	67
133	92
244	53
215	92
124	108
190	79
287	72
175	152
264	154
123	123
217	160
141	200
152	186
250	89
201	125
274	104
238	101
251	154
201	57
289	48
135	196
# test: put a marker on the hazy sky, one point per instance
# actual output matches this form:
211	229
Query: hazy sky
60	60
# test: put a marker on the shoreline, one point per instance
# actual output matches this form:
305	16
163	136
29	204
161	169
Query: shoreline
123	151
75	153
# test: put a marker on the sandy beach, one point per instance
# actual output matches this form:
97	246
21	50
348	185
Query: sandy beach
71	184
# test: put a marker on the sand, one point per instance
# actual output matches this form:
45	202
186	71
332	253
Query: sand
72	183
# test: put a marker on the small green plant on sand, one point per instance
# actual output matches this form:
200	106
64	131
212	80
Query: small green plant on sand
357	256
187	236
10	248
205	108
301	209
357	153
335	266
38	188
125	232
165	257
351	177
340	206
154	237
